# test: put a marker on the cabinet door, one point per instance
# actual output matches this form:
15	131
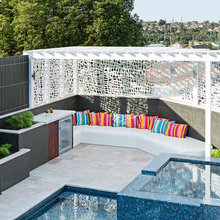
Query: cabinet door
53	140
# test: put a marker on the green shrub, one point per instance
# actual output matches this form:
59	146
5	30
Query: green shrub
216	153
19	121
4	150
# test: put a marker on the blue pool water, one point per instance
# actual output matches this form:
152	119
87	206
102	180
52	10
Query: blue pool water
82	207
187	180
70	203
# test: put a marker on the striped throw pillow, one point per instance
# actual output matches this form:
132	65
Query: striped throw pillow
159	125
165	126
143	121
118	120
176	130
94	118
131	121
110	119
74	119
82	118
105	119
152	120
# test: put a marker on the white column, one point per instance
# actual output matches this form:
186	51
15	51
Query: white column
31	82
208	112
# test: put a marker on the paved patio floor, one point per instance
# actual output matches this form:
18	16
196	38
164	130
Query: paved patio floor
92	166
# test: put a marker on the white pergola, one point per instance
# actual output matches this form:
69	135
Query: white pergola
126	53
126	71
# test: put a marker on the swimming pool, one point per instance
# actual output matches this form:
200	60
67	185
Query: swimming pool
71	203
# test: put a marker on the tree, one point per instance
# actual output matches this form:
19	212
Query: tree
113	24
34	24
166	42
7	43
162	22
29	21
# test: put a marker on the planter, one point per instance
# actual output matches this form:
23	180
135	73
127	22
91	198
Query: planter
14	168
34	138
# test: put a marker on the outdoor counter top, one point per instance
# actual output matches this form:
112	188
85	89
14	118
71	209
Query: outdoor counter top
51	117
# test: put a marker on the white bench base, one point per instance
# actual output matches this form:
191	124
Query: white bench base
142	139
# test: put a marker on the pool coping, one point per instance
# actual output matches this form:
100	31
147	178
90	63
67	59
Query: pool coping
154	167
48	201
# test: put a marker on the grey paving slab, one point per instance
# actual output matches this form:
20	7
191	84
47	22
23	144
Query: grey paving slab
91	166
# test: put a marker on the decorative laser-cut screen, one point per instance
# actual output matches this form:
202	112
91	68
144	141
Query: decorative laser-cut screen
59	78
53	80
123	78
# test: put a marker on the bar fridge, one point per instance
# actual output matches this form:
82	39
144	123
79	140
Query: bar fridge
65	130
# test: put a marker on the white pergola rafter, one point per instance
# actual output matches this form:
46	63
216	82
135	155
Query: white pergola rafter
126	53
139	54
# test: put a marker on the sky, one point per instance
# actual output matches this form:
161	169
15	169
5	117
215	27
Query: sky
187	10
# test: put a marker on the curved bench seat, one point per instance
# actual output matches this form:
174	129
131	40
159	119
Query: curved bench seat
142	139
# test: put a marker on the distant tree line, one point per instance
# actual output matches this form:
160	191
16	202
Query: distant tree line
183	33
34	24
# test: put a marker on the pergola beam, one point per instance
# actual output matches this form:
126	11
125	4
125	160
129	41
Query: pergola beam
127	56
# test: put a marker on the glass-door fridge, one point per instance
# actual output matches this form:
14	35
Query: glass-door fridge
65	136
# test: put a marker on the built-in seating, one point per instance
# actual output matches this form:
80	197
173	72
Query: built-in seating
142	139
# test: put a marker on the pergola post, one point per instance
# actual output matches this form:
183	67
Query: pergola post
31	75
208	112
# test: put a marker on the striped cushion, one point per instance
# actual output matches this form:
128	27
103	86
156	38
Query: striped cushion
160	125
118	120
143	121
110	120
131	121
165	126
176	130
74	119
94	118
105	119
82	118
152	120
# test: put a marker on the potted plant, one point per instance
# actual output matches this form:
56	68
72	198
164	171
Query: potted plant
5	150
20	121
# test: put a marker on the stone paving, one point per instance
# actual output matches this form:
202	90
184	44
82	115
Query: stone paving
92	166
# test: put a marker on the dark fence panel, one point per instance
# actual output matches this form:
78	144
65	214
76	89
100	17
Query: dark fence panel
14	84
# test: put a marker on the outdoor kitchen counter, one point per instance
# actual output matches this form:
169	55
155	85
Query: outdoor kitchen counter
51	117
